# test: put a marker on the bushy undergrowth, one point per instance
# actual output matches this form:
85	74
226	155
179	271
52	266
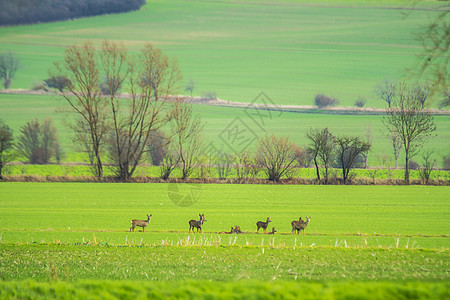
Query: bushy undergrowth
82	173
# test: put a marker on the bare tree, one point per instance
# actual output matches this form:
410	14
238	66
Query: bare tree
397	146
243	162
369	140
125	124
80	67
277	156
151	78
428	166
186	130
6	144
190	86
169	162
386	90
224	163
348	150
9	64
421	91
321	149
158	146
433	60
412	124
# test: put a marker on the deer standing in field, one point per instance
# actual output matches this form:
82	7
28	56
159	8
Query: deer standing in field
296	224
140	223
197	224
300	225
226	232
272	232
263	225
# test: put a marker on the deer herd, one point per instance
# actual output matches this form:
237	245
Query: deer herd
298	226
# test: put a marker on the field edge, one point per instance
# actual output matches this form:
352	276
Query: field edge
188	289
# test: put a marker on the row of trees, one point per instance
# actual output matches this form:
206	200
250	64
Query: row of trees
31	11
121	131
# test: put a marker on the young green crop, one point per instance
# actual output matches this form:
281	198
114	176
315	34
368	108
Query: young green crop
291	50
356	216
75	262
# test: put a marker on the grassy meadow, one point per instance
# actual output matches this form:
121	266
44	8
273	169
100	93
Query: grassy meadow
78	212
63	240
16	110
291	50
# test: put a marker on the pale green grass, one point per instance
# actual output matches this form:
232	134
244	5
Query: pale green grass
16	110
289	49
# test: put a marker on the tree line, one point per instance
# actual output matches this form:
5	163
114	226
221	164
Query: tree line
151	122
30	11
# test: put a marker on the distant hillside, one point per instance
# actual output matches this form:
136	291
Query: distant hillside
36	11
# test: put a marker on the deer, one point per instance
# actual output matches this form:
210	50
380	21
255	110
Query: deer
237	229
197	224
263	225
226	232
296	224
272	232
140	223
300	226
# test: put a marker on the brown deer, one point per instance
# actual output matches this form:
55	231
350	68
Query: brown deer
272	232
140	223
300	226
226	232
296	224
263	225
237	229
197	224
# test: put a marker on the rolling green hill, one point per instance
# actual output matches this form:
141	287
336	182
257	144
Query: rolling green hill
289	49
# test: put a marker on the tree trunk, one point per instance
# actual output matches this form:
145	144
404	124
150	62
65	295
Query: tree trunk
99	167
317	167
407	167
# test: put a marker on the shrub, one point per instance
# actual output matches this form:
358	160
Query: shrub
413	165
322	101
360	102
57	82
209	96
39	142
39	86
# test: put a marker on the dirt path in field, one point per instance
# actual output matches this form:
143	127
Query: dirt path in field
262	102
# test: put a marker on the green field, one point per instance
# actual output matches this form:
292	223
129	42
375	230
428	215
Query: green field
16	110
291	50
67	239
76	212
